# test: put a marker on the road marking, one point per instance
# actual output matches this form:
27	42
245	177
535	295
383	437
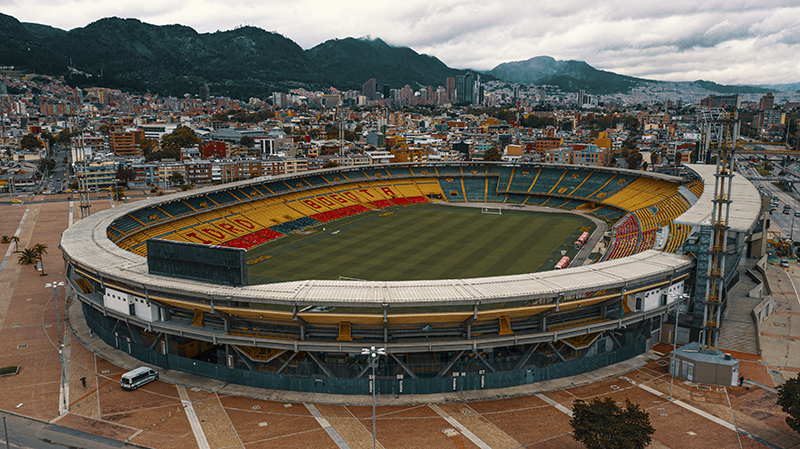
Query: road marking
694	410
197	429
65	390
70	214
11	246
555	404
793	287
327	426
464	431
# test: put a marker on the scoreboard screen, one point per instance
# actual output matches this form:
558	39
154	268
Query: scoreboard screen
216	264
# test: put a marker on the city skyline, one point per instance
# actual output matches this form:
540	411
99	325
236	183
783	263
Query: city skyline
726	42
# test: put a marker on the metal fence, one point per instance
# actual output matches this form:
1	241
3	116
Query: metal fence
398	384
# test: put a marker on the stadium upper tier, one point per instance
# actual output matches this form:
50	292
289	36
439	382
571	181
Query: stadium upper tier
111	244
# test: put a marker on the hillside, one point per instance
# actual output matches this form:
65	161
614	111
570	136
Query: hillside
127	53
241	63
567	75
351	62
20	48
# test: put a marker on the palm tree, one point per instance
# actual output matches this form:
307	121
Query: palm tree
5	239
27	256
40	250
15	239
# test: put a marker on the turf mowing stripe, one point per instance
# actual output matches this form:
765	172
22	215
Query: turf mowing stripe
419	250
446	250
466	255
447	240
418	242
505	255
350	255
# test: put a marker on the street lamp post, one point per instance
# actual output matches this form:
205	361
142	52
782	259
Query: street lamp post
55	286
372	353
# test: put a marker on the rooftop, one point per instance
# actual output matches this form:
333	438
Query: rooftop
745	201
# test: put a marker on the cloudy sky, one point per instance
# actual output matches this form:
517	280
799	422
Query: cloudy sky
731	41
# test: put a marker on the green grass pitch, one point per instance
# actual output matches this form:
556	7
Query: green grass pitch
420	242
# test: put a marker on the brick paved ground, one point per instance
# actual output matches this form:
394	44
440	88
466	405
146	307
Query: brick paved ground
153	415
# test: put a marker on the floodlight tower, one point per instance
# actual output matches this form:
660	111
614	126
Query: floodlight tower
720	131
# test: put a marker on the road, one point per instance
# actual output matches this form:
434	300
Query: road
30	433
779	220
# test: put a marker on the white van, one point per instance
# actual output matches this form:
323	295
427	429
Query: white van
138	377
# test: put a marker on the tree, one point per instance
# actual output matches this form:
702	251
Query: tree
331	164
119	193
492	154
634	159
171	144
40	251
247	142
124	175
27	256
46	164
51	139
15	239
601	424
176	178
30	142
5	239
147	146
63	136
789	400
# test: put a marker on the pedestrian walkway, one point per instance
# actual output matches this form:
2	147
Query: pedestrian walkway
780	332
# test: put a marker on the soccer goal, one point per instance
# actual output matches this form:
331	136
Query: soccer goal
492	210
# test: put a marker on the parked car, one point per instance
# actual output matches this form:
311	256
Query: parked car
785	263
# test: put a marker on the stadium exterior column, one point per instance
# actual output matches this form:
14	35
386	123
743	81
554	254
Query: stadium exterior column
385	323
299	321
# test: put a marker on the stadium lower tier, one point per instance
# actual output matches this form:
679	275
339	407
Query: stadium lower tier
492	345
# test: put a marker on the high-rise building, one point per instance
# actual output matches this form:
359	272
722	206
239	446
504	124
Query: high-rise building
369	88
767	102
126	143
581	98
205	92
469	89
716	101
451	89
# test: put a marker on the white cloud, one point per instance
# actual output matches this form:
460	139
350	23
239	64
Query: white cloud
727	41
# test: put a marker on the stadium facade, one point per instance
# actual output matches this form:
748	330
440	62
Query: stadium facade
440	335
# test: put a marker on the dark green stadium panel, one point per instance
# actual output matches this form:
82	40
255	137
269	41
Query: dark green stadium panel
217	264
388	381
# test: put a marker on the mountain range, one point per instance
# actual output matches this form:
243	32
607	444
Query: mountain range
250	62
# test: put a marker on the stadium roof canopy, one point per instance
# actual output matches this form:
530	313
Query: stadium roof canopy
745	201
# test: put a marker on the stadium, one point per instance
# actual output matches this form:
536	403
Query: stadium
280	283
